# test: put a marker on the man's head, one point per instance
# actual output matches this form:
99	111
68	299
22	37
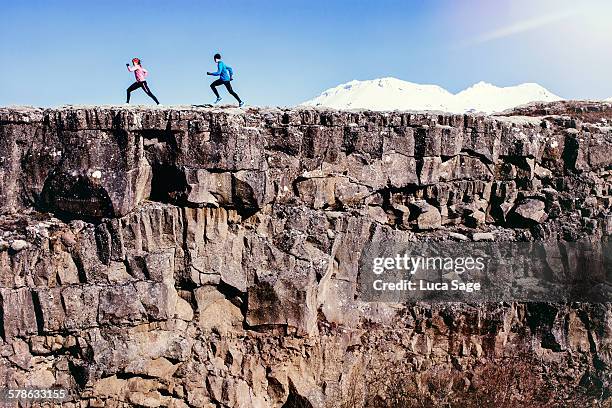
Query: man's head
136	61
217	57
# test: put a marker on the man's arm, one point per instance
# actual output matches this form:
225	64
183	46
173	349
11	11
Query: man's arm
131	69
231	71
218	70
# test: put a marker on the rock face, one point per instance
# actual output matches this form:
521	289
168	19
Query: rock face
208	257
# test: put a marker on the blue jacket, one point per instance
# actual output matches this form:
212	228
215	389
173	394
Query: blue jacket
224	71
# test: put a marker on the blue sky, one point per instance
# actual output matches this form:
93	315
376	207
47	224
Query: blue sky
285	52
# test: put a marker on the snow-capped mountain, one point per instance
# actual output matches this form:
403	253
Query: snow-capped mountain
395	94
484	97
608	100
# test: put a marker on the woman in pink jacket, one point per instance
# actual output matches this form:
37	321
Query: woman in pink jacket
140	74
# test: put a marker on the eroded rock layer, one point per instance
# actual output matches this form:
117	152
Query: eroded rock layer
208	257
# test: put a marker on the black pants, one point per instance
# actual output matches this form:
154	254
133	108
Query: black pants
227	85
142	85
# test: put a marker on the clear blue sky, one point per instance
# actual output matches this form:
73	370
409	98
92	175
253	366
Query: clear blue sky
285	52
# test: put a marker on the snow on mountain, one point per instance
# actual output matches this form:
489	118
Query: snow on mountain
608	100
395	94
384	94
485	97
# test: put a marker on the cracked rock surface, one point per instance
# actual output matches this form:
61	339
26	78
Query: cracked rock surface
208	257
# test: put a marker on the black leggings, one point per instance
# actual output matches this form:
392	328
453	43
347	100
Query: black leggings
227	85
142	85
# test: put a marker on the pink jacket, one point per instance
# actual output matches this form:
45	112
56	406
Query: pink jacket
139	72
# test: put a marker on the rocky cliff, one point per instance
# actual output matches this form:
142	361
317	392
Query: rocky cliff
209	257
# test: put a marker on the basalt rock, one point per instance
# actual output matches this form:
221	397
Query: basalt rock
530	210
209	257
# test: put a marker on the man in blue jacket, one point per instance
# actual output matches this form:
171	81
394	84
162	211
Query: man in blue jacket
225	74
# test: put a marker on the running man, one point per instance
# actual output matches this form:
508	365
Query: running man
140	74
225	74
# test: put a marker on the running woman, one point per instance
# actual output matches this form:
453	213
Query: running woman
225	74
140	74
